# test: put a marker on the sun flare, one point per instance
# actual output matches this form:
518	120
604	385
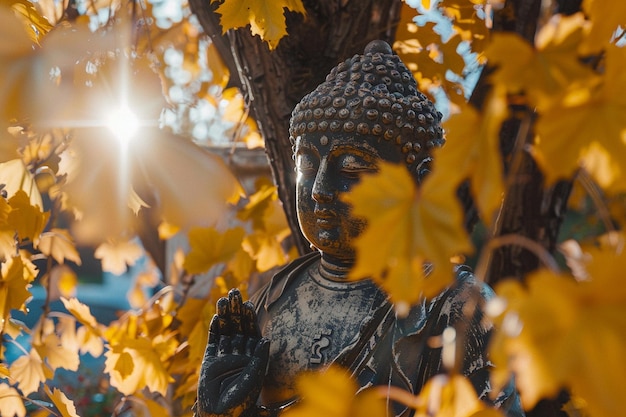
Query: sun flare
123	123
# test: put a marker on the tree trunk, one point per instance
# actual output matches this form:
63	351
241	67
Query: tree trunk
275	81
530	210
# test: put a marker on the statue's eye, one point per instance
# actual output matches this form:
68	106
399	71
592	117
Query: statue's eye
354	167
306	164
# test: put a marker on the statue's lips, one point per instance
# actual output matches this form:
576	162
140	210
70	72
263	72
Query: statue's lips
325	219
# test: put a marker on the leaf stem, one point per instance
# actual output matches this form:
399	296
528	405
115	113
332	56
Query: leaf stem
46	305
399	395
514	239
38	403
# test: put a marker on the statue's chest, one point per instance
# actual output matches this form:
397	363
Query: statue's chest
311	324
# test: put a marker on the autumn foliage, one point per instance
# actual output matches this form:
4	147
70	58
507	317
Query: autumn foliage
68	181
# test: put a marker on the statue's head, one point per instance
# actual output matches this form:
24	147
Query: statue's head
367	110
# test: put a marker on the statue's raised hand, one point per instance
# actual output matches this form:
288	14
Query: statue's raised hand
234	362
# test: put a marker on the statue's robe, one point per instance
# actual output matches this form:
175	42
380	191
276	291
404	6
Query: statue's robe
314	322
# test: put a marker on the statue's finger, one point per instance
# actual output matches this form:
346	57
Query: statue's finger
223	312
249	322
235	305
214	330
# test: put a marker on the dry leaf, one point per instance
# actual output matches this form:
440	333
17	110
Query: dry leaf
208	247
56	355
266	18
451	396
406	227
63	404
606	17
80	311
332	393
14	284
58	244
115	255
579	346
28	220
11	402
28	370
137	363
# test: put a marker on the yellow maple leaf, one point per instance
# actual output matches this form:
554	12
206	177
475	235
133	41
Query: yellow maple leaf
56	355
16	48
241	265
147	369
606	17
406	226
64	405
116	254
266	18
28	370
124	365
14	283
333	393
546	72
270	228
28	220
265	248
11	402
451	396
472	151
80	311
208	247
15	176
258	202
199	335
63	282
90	341
590	133
151	408
58	244
559	333
167	230
7	232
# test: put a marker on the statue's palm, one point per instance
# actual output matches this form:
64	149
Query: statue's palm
234	362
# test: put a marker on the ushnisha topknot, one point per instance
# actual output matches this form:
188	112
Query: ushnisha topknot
374	95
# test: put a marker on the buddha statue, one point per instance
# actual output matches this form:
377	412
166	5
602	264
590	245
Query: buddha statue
310	315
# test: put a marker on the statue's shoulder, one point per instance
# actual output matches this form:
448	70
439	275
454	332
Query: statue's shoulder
450	305
270	292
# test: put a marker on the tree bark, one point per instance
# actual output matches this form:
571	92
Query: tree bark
274	81
530	209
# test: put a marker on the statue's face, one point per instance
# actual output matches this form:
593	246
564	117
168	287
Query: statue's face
328	165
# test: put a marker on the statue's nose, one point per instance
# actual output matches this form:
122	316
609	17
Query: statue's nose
323	189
